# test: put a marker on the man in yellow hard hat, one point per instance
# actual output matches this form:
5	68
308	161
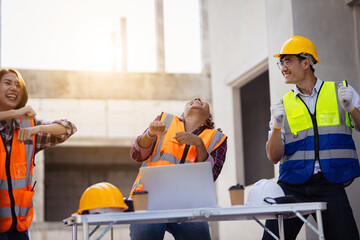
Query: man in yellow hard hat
311	136
175	140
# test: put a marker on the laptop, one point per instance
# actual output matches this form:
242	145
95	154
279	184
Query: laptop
179	186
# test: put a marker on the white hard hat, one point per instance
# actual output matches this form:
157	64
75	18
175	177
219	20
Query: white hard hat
262	189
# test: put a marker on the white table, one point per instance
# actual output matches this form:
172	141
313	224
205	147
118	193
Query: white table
240	212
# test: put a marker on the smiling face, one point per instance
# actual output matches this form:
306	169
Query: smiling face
11	92
292	69
196	106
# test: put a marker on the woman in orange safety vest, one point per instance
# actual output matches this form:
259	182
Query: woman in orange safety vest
22	136
173	140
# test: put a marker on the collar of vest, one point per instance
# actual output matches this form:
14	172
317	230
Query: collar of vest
328	110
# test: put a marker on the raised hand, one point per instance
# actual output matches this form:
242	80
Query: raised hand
27	133
26	112
156	128
278	114
345	95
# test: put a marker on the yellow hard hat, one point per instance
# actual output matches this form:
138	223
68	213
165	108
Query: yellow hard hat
101	195
296	45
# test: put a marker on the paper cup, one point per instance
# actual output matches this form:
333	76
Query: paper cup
237	194
140	200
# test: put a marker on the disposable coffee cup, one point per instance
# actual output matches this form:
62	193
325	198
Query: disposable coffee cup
237	194
140	200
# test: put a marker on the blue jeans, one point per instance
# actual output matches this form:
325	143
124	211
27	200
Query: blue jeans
338	218
14	235
180	231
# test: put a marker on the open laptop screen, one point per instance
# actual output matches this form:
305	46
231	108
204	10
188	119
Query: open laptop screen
179	186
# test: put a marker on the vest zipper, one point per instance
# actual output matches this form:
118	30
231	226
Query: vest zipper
316	136
186	150
316	130
11	195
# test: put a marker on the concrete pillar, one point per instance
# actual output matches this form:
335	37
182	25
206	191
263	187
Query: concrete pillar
0	32
123	26
39	196
279	29
356	19
205	41
113	43
159	27
333	26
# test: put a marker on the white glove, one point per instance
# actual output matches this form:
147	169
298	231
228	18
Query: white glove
345	96
278	114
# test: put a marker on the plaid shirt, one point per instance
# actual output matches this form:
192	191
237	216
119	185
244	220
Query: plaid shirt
216	157
42	140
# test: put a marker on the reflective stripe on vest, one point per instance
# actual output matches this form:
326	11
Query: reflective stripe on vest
20	211
20	169
168	151
327	136
15	183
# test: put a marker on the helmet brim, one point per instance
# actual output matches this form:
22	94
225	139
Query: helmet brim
277	55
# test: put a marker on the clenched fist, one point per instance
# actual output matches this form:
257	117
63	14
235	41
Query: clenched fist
278	114
26	112
345	95
156	128
27	133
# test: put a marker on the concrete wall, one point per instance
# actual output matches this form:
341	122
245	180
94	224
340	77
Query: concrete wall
109	109
238	43
110	123
336	38
244	35
332	26
64	172
115	85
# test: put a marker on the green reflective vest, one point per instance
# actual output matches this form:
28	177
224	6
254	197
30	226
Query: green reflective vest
324	136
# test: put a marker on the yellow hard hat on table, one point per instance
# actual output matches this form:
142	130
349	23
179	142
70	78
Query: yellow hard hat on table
297	45
102	195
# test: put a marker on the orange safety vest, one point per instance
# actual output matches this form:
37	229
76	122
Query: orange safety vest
16	171
168	151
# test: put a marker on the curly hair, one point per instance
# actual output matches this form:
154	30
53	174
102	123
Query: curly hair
211	124
208	122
